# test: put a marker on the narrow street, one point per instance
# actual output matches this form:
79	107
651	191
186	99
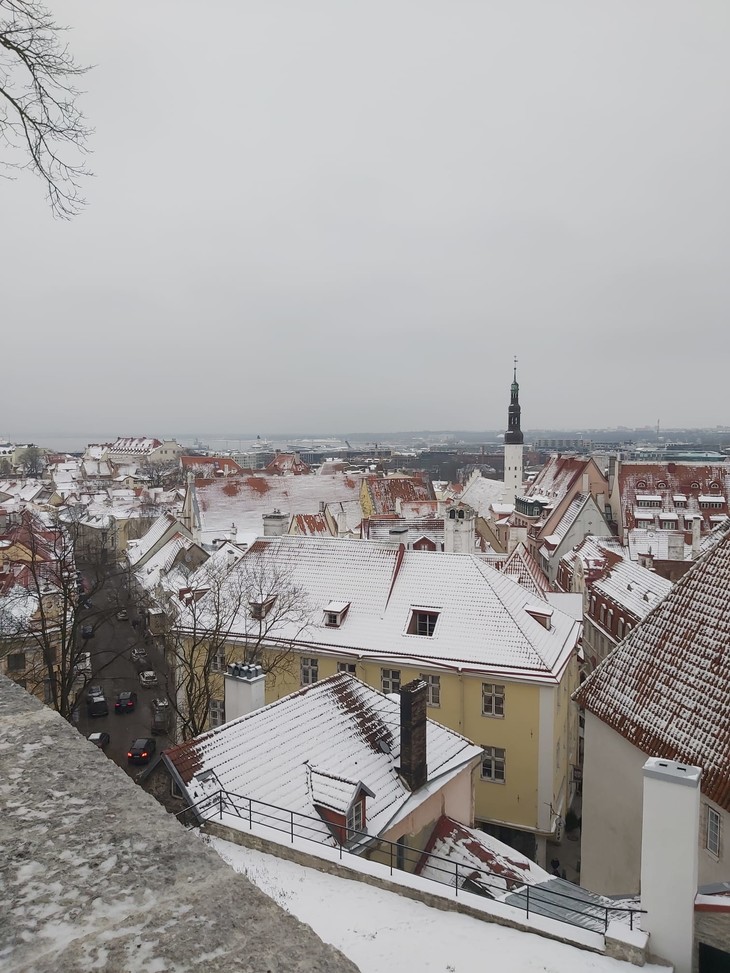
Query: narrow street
114	670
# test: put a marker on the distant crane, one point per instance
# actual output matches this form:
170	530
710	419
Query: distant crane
348	445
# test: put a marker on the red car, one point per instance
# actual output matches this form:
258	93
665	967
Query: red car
125	702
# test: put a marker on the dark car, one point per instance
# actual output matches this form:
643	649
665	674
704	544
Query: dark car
125	702
141	751
101	740
93	691
97	706
160	711
87	631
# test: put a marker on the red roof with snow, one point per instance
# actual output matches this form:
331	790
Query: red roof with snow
666	687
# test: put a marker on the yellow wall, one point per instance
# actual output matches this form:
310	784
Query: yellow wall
515	801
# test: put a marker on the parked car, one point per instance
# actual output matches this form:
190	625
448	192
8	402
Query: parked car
141	751
122	615
147	678
97	706
93	691
125	701
82	663
139	656
87	631
160	715
101	740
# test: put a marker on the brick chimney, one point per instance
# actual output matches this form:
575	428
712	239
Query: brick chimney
413	702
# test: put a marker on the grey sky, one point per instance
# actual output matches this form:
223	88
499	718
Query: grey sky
349	216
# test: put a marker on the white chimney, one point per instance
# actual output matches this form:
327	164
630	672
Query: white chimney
669	849
245	690
696	525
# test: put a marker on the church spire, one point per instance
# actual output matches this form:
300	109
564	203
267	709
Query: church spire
514	436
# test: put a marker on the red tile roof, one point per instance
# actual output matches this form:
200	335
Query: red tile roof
666	687
384	491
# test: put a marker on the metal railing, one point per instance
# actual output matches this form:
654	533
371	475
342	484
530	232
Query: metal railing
581	910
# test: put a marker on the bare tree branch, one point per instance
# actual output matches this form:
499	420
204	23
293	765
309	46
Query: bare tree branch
230	613
38	112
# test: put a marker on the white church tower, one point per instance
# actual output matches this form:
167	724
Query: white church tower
513	446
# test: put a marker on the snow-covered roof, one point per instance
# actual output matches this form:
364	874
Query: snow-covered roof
244	501
481	494
138	550
630	585
476	852
666	687
654	542
669	484
138	445
322	741
309	524
482	624
386	492
523	567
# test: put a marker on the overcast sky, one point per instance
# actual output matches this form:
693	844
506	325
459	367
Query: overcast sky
346	216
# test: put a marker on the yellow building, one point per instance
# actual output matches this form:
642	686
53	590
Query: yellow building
500	662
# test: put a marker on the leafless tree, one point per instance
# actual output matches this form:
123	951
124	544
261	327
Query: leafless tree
47	612
251	612
38	94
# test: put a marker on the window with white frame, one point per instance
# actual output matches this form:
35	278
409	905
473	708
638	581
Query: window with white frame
492	699
712	842
218	661
354	820
390	680
434	689
349	667
422	622
217	712
309	671
493	764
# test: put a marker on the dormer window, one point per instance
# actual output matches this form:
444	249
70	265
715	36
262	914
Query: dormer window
335	612
423	622
260	609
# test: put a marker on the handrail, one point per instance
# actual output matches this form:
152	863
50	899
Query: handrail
257	812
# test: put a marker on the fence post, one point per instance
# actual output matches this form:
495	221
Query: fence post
457	880
390	843
292	826
220	805
606	929
527	906
250	816
631	919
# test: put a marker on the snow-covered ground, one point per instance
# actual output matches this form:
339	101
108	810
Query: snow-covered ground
381	931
